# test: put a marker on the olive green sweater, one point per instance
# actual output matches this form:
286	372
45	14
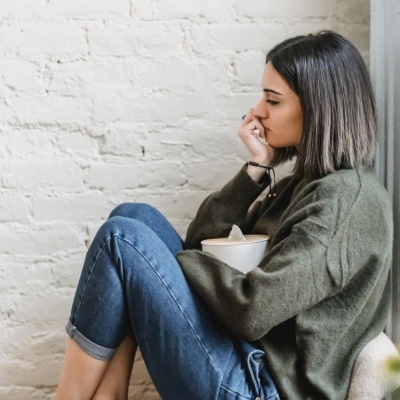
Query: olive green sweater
321	292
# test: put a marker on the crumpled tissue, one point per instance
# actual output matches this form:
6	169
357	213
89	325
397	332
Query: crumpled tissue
236	234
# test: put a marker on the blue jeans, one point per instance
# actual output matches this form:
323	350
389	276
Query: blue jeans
131	281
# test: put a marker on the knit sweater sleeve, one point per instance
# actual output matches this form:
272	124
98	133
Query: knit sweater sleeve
222	209
294	275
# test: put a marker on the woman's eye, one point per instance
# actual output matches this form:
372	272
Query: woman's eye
272	102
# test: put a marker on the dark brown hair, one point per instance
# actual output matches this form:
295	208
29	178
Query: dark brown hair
330	77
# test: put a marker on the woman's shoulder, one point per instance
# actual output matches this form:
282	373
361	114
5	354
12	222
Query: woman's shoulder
344	191
356	194
347	182
353	183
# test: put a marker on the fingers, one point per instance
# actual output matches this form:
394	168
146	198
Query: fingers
252	134
256	133
251	124
248	117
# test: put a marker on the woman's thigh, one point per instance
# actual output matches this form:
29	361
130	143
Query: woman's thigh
132	275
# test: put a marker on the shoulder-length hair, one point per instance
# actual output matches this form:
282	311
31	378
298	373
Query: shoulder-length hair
330	77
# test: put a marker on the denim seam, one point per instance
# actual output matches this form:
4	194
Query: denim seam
235	393
176	302
90	275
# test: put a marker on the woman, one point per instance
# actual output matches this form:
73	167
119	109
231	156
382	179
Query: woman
290	328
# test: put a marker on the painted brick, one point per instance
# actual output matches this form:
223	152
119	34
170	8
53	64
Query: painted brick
143	11
246	37
124	141
77	207
249	69
11	10
134	176
5	112
42	373
13	208
199	9
78	144
88	77
55	304
66	269
19	75
169	74
25	143
149	39
153	108
54	239
286	9
29	40
24	393
23	276
51	110
81	9
33	175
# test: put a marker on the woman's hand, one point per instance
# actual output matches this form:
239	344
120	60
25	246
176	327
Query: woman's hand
259	152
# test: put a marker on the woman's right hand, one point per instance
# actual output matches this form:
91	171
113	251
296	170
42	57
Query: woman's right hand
259	152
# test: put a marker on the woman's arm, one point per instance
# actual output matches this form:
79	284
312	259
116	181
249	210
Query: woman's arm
324	239
293	276
230	205
222	209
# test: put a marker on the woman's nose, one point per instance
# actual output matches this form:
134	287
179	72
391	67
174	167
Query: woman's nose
260	110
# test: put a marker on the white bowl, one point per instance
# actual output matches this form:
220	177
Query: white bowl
243	255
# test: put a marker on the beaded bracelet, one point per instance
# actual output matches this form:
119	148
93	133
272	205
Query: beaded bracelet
254	164
272	192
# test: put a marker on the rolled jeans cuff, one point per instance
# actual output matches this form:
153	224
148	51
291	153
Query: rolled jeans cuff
93	349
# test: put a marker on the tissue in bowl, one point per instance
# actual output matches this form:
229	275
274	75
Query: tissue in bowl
243	255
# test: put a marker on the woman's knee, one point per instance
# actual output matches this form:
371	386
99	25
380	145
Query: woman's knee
122	227
132	210
152	219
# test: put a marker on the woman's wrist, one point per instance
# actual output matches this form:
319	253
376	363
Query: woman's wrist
256	170
254	164
261	160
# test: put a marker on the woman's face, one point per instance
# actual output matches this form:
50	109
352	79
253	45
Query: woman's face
279	111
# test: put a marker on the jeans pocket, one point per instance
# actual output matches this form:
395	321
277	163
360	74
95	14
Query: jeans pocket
263	385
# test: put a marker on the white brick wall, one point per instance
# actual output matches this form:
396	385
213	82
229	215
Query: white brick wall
103	102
